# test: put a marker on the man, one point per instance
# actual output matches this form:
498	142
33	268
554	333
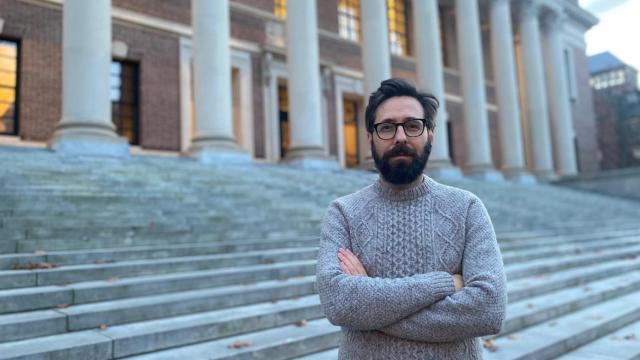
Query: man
408	267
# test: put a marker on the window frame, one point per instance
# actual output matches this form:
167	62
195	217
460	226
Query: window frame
16	101
134	104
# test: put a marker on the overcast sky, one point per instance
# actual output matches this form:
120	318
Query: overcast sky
618	30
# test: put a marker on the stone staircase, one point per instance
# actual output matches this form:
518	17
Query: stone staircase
163	258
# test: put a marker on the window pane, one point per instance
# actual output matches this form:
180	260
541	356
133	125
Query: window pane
349	19
8	49
7	79
280	9
397	27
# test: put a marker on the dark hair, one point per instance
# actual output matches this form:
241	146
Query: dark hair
399	87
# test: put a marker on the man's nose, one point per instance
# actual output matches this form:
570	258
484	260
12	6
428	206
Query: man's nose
400	137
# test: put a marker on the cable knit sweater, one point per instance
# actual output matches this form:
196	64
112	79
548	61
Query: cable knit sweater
411	242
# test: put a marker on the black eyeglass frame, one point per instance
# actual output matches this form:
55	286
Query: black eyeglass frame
426	123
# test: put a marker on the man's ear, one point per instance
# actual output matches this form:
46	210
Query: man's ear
369	137
431	136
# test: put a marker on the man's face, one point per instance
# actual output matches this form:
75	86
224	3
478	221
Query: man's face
400	159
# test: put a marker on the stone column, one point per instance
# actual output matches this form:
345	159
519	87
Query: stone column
513	164
557	87
86	127
214	141
431	79
536	97
376	59
305	99
478	154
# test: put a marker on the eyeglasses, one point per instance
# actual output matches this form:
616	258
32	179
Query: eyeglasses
411	127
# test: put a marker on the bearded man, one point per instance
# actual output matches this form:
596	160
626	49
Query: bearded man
408	267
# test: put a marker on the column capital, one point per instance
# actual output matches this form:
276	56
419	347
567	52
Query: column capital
553	20
528	9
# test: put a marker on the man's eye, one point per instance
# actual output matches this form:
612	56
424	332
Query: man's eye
386	127
414	126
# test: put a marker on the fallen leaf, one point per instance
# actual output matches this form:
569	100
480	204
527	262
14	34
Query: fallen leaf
631	337
40	252
301	323
239	344
112	279
34	266
103	326
489	345
62	306
104	261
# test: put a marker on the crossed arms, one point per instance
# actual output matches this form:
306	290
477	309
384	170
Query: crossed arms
422	307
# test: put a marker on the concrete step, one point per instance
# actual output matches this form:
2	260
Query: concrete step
623	344
278	343
531	311
535	242
91	256
138	338
558	336
88	344
556	263
323	355
545	283
30	245
45	297
90	316
510	257
166	333
79	273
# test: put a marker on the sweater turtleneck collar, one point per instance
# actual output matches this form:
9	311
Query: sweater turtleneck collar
387	192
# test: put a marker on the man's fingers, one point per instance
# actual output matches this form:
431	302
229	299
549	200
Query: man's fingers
349	259
347	262
357	263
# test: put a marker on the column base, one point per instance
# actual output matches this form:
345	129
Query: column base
519	176
545	175
484	173
444	170
86	145
218	150
310	158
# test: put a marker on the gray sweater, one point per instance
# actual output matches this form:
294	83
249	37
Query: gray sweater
411	242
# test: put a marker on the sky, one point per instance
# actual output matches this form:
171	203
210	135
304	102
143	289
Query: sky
618	30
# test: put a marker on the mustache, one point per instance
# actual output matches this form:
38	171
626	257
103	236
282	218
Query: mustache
401	150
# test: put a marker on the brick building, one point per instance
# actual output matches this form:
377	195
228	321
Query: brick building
617	104
526	90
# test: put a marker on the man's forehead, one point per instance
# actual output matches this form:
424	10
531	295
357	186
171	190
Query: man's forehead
399	108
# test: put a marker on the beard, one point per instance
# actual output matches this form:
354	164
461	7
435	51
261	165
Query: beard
402	172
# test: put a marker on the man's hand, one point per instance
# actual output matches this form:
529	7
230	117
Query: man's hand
458	282
350	263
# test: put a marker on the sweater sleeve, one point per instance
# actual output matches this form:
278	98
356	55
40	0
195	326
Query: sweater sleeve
479	309
367	303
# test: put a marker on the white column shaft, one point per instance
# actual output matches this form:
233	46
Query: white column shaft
506	87
376	59
537	110
428	52
305	101
212	70
561	123
478	154
86	81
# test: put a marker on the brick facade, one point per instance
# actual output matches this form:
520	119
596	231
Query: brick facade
38	27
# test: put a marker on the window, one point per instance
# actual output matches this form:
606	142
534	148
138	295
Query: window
124	99
9	59
350	108
280	8
349	19
396	12
283	111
